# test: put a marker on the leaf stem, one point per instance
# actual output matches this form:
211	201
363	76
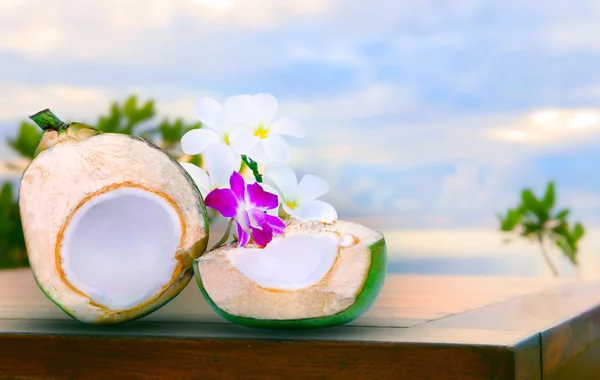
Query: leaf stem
225	235
546	257
253	166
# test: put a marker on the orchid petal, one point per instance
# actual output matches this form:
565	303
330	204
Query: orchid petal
288	126
265	107
276	148
221	162
260	198
224	201
314	211
243	236
311	187
243	219
236	182
276	224
263	236
201	179
257	217
242	140
211	113
284	178
268	187
197	140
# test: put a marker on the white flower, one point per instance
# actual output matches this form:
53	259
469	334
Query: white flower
299	200
221	161
217	128
260	140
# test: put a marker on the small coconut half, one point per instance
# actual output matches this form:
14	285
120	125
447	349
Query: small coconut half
314	275
112	223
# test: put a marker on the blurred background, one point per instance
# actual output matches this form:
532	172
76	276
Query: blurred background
427	118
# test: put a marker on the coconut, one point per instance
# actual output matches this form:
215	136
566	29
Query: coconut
112	223
314	275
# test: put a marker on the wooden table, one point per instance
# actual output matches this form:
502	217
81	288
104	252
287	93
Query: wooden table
422	327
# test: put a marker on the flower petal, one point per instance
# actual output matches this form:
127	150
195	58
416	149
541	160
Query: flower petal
276	148
260	198
211	113
236	183
311	187
257	217
314	211
242	140
243	236
197	140
262	236
258	154
284	178
224	201
243	219
239	108
288	126
221	162
264	107
276	224
201	179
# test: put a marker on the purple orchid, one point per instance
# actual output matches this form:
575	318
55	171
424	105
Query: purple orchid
247	205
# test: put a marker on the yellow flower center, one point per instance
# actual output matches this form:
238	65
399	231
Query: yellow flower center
226	138
261	132
291	204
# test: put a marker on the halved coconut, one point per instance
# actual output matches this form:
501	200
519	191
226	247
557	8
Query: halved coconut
314	275
112	223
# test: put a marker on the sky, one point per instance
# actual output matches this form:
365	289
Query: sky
421	115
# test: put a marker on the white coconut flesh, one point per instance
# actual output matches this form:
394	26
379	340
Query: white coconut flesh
313	270
119	248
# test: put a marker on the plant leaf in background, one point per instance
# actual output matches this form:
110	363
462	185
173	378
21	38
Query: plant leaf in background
27	140
12	243
534	218
126	118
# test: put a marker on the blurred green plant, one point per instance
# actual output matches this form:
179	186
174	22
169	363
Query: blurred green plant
12	243
127	118
536	219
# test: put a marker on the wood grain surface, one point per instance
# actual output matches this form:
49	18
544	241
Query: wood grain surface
421	327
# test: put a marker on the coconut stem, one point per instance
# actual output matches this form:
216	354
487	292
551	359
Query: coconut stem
225	236
46	120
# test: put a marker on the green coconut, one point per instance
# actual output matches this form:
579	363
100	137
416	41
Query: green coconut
112	223
314	275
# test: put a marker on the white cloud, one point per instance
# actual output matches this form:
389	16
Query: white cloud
149	33
552	127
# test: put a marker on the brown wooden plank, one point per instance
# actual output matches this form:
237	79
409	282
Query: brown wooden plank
567	319
102	358
420	327
571	344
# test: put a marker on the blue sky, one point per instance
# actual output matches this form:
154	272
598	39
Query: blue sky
428	114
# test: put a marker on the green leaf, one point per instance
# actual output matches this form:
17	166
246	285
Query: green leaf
513	218
549	197
530	228
578	232
534	205
27	140
562	215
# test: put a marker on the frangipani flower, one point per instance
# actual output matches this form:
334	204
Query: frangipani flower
247	205
220	163
299	200
260	140
218	127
